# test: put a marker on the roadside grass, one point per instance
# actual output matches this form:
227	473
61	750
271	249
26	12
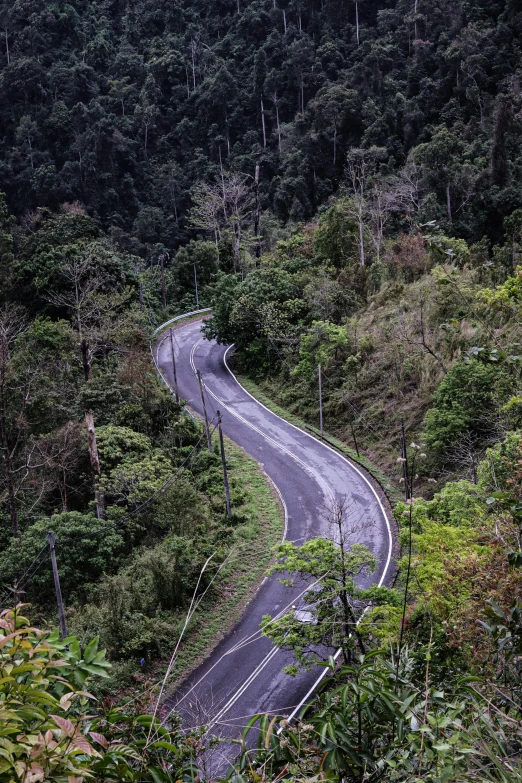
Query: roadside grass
260	529
393	492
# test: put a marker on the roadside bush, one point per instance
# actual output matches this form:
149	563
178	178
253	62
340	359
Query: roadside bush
464	403
81	561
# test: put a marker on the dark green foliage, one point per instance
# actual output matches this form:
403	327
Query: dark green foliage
124	108
464	403
82	560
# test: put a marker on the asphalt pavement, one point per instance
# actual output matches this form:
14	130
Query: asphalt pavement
244	675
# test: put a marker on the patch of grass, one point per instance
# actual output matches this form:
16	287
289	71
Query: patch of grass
252	551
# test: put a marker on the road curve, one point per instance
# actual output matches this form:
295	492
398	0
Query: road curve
243	676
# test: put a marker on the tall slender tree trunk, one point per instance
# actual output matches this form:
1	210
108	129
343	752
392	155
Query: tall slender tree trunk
95	465
86	358
361	237
263	122
257	217
357	23
8	464
163	284
193	52
276	104
7	53
349	620
284	19
448	201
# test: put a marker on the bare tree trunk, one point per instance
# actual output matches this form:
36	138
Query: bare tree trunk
263	122
193	52
361	236
349	620
7	54
95	465
257	217
163	285
448	201
276	104
284	19
11	493
357	22
86	358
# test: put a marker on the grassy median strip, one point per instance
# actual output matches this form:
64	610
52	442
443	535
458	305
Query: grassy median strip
258	530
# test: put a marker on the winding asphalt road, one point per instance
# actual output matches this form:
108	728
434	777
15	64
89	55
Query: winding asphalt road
243	676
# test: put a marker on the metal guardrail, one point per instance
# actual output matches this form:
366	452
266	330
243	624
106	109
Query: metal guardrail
153	354
180	317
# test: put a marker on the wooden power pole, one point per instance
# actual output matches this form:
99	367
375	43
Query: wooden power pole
196	284
404	454
173	356
61	614
207	428
223	460
355	439
320	398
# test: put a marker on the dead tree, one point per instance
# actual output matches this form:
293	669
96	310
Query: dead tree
418	338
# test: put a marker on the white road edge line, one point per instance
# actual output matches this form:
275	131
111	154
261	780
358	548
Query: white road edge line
307	468
245	685
338	454
373	490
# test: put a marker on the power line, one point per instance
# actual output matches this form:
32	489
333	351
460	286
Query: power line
165	486
44	552
27	577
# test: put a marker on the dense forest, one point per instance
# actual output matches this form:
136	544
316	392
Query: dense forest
126	106
341	181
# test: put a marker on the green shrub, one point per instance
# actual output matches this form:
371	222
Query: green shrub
464	403
81	561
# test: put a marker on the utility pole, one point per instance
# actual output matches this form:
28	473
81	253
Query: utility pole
207	428
320	399
405	471
223	460
196	283
163	284
354	439
61	614
173	355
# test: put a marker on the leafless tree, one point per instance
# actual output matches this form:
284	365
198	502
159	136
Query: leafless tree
417	334
381	206
223	209
94	315
55	457
408	191
358	170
